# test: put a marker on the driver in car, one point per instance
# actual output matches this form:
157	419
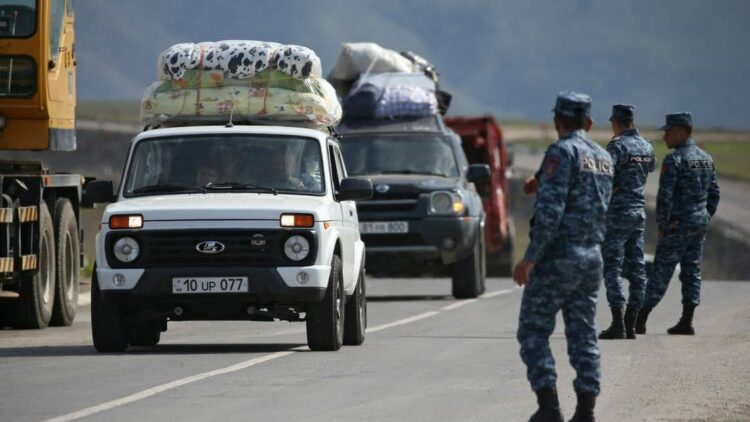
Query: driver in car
279	169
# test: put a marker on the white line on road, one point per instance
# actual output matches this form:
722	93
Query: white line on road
458	304
497	293
168	386
402	321
248	363
84	299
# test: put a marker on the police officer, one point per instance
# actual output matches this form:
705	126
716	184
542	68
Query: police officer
562	267
622	251
687	199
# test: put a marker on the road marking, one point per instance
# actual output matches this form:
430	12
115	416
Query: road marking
84	299
168	386
458	304
246	364
497	293
402	321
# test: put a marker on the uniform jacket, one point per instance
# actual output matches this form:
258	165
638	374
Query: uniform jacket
633	158
575	184
688	190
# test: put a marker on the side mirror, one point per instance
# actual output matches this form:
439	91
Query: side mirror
98	192
478	173
354	188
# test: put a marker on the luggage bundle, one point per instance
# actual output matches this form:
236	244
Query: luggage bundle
251	81
376	82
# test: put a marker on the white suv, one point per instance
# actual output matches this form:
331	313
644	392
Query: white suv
230	223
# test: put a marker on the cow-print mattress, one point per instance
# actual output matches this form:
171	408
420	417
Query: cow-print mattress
238	59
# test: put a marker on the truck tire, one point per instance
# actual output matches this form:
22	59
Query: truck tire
107	326
355	322
468	274
68	248
33	309
145	334
325	320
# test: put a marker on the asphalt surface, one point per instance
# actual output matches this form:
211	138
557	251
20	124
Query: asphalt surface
427	357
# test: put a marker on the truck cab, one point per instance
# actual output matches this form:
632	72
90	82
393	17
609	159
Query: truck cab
230	223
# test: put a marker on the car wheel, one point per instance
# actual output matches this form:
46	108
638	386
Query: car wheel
145	334
468	273
355	322
500	264
107	325
68	264
33	309
325	320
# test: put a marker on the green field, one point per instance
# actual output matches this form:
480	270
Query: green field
730	157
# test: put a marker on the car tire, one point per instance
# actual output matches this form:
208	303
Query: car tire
468	274
107	325
68	264
355	322
325	320
33	309
145	334
500	264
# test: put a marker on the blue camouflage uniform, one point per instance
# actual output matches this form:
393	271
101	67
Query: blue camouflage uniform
573	193
687	199
622	251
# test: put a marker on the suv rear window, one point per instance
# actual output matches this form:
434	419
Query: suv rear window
17	76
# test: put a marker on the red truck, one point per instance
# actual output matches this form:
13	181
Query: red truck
482	141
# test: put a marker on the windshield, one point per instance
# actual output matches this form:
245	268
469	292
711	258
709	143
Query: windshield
384	154
17	18
252	163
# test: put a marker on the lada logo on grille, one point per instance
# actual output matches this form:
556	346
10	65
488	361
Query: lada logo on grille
210	247
382	188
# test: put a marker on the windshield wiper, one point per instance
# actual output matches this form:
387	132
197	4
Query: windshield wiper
167	187
429	173
239	186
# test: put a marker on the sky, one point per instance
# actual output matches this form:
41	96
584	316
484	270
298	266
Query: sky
506	58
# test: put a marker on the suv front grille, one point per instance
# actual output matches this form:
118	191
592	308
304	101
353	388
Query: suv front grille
177	248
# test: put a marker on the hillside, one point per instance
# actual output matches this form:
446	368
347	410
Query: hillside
507	58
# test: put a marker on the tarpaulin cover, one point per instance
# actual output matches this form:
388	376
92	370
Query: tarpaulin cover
356	59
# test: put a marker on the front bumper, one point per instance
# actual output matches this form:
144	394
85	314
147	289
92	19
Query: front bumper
426	240
266	285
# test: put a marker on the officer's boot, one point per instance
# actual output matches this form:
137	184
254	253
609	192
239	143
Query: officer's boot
549	406
640	321
584	408
617	329
685	324
630	316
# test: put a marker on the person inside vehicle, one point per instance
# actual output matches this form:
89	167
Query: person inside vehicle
279	169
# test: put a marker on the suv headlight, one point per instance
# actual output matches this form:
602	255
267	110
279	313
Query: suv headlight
296	248
443	202
126	249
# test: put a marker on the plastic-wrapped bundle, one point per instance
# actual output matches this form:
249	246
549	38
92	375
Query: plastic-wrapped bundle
252	81
238	59
406	101
392	95
358	58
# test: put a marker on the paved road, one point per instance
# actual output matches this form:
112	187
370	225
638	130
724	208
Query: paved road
734	207
427	357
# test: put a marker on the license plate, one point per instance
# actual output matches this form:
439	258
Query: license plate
186	285
372	227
